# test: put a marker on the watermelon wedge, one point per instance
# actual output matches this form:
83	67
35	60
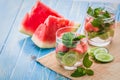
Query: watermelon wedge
45	35
38	15
89	27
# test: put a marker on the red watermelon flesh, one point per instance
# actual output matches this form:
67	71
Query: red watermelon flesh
89	27
38	15
45	35
81	48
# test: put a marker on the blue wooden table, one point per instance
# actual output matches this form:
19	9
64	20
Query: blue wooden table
17	52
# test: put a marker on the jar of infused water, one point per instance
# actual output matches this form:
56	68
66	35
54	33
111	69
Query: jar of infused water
70	47
100	25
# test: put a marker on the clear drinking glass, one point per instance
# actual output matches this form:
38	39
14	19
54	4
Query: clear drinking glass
100	28
69	50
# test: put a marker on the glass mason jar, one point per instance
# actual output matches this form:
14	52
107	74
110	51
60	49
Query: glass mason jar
69	49
100	25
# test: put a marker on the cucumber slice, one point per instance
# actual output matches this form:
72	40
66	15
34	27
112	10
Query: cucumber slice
100	50
104	57
91	51
70	58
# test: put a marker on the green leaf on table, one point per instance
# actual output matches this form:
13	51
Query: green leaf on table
77	38
86	62
79	72
67	39
89	72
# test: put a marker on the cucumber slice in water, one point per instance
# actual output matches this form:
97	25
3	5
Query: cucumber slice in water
70	58
104	57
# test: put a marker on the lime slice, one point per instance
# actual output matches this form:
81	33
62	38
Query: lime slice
91	51
70	58
100	50
104	57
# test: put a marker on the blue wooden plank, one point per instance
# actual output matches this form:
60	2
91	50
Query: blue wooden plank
38	72
7	21
25	61
11	50
63	7
7	18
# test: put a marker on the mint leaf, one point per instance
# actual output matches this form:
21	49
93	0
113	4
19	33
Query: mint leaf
106	14
86	62
79	72
67	39
97	11
96	22
90	11
89	72
79	37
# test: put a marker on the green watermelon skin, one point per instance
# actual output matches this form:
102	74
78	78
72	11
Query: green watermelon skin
45	35
38	15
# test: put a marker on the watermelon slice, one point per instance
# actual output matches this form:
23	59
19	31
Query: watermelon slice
81	48
89	27
37	16
44	36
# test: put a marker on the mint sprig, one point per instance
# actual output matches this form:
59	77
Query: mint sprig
69	39
81	71
90	11
77	38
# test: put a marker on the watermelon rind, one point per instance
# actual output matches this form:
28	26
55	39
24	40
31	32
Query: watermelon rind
42	44
23	30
